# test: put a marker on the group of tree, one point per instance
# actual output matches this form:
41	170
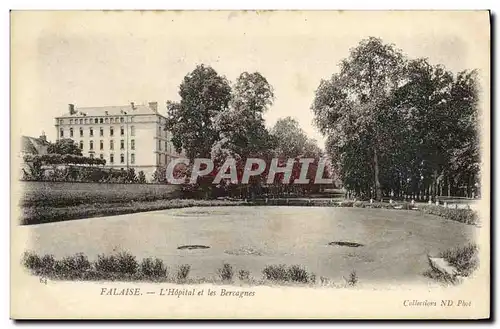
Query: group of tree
65	163
218	120
399	127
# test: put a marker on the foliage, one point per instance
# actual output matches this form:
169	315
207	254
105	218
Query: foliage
397	126
464	259
40	265
64	146
297	273
110	268
353	278
55	159
276	273
294	273
203	94
78	262
183	272
160	175
141	178
226	272
153	268
122	262
244	275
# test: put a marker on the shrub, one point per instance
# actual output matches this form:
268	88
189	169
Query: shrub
226	272
153	268
141	178
467	216
76	263
353	278
324	281
122	262
464	259
244	275
183	272
31	261
298	274
276	273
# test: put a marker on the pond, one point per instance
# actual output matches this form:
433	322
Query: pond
379	244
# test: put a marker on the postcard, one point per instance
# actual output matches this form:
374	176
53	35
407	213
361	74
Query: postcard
250	164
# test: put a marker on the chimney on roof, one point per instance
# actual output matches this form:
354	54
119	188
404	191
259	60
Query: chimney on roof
153	106
43	137
71	108
132	105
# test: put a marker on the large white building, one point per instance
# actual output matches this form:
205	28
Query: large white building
129	136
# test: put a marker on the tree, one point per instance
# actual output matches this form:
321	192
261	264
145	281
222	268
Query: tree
64	146
290	139
241	127
349	107
204	94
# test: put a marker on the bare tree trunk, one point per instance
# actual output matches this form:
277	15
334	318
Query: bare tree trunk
378	189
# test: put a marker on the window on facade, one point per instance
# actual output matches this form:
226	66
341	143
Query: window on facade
101	120
91	145
91	132
166	146
81	132
106	120
159	145
111	131
122	120
132	158
111	158
101	156
111	144
101	145
122	144
112	120
132	130
122	131
122	158
81	121
91	155
70	132
61	132
132	144
81	145
96	120
131	119
101	131
70	121
86	120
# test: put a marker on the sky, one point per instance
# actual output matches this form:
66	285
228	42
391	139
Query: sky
114	58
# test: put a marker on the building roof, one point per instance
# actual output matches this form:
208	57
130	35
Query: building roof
32	145
112	110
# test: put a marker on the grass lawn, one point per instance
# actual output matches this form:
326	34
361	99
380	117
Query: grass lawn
393	245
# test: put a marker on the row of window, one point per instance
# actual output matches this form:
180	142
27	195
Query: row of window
122	145
101	131
111	144
122	158
96	120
